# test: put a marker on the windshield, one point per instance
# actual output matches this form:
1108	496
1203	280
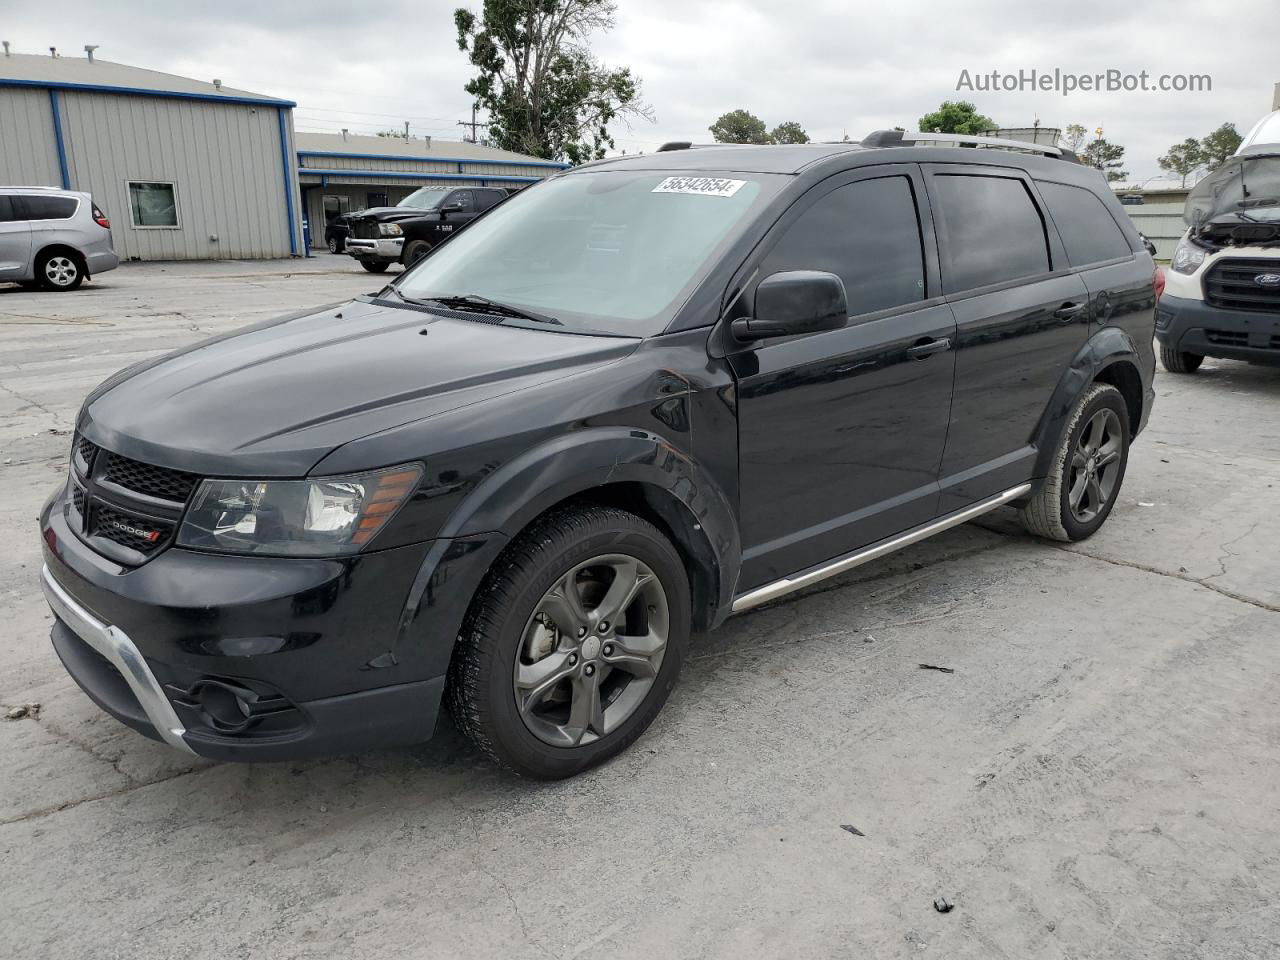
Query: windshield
613	251
1248	186
427	198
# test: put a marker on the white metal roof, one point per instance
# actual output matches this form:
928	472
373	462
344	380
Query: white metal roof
401	149
24	69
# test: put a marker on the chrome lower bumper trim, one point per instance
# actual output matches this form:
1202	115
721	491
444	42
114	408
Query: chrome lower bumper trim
780	588
113	644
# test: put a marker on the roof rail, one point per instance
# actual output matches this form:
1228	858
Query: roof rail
690	145
905	138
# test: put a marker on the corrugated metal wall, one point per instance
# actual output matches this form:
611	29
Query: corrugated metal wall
392	164
28	151
224	160
1161	222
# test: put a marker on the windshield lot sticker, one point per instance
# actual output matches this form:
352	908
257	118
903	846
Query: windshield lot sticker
702	186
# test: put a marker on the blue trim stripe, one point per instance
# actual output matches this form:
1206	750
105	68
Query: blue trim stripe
143	92
377	175
429	159
58	141
288	182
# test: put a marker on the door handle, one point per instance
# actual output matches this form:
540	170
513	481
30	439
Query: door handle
927	348
1069	311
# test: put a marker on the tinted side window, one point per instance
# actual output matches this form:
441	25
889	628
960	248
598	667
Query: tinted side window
463	197
992	231
48	208
867	234
7	211
1086	227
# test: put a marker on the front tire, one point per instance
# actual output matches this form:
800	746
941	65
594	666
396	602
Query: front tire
375	266
1177	362
573	642
334	245
415	251
1084	480
59	271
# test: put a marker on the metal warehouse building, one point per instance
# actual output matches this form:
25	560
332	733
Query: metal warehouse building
341	174
184	169
189	170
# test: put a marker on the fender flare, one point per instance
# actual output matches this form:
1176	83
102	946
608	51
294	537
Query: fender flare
573	463
1109	346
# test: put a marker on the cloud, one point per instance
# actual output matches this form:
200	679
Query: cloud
832	66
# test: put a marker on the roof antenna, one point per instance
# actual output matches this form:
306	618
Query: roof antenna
217	84
406	130
89	48
6	47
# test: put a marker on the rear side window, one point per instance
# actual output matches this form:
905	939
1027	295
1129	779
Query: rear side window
866	233
992	231
7	212
48	208
1087	229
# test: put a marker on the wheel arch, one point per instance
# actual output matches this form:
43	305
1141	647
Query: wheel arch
635	470
49	249
1110	356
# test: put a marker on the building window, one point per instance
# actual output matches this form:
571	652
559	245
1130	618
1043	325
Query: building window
153	204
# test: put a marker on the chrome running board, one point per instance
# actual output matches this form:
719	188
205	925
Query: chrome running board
797	581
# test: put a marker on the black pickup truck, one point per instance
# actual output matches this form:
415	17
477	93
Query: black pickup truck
405	233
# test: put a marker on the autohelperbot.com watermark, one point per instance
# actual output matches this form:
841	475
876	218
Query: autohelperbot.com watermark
1067	82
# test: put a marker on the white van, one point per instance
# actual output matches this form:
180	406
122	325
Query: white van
1222	292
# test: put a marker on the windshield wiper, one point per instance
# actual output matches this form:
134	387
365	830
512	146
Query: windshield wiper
477	304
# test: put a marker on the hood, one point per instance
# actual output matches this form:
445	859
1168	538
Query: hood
1244	191
272	400
393	213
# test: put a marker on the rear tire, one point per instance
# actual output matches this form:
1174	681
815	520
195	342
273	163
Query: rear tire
375	266
526	652
1075	499
59	271
1176	362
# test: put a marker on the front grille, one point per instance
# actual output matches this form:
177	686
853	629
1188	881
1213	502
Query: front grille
125	509
85	449
364	229
1227	338
141	534
1232	285
144	478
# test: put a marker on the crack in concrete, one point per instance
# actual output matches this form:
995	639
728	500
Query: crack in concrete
1226	552
501	884
30	403
110	794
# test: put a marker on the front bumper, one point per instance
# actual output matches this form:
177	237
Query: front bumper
1193	326
384	248
326	656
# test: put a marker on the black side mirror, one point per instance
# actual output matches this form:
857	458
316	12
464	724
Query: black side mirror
454	207
797	301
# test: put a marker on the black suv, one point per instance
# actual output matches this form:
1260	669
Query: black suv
638	397
409	231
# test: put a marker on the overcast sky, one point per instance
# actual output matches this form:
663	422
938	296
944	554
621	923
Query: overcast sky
831	66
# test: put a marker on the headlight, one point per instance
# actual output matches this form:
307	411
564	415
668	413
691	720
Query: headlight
1187	257
312	518
390	229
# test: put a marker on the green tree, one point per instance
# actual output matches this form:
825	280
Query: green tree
956	116
1219	145
1107	157
1072	138
788	132
545	94
739	126
1183	159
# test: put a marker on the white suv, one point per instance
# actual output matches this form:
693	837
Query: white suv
52	238
1222	293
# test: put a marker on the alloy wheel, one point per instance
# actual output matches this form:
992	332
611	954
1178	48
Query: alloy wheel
591	650
61	271
1095	465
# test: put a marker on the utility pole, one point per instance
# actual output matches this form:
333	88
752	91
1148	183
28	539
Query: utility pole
473	124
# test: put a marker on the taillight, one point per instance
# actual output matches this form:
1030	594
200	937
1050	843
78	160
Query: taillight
1158	282
100	218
